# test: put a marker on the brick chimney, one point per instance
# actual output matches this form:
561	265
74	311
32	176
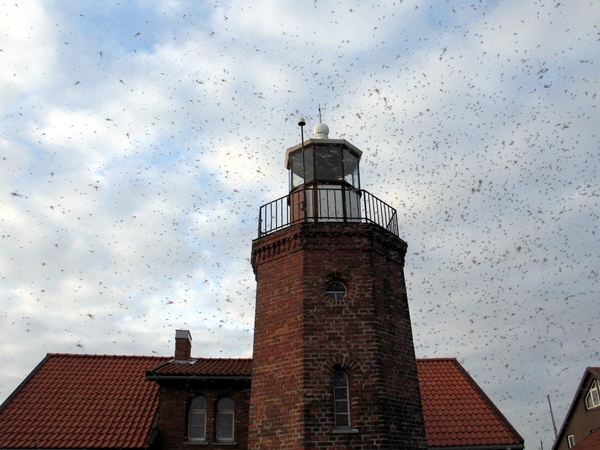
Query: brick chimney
183	345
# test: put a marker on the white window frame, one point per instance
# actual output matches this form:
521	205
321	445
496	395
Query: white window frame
225	409
571	440
592	399
193	413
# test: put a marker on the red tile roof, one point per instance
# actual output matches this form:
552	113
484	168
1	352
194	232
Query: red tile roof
204	367
82	401
591	441
455	409
89	401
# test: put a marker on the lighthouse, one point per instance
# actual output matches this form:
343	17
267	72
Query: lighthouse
333	363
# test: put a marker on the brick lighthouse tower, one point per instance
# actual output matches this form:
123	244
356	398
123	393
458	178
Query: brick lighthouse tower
334	363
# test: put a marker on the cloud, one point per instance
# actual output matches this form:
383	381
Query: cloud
137	164
28	47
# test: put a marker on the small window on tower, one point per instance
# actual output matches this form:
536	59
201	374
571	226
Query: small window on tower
335	290
341	400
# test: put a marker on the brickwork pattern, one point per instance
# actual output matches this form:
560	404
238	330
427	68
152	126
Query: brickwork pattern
276	407
302	337
183	349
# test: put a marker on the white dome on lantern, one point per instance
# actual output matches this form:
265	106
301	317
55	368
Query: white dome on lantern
321	131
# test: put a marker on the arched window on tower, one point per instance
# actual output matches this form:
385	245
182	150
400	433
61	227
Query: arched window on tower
225	419
341	398
335	290
197	420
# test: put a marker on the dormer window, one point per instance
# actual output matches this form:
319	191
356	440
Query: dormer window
592	399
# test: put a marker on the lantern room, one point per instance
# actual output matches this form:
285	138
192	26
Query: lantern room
323	161
324	179
324	187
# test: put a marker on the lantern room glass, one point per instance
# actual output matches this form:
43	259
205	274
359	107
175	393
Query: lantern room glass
351	169
329	164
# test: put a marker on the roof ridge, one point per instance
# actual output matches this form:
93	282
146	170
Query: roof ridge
489	401
452	358
221	359
202	358
90	355
97	355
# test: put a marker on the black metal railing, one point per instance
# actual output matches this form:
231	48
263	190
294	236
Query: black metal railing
326	204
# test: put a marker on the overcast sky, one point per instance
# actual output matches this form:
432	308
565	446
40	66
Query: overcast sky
139	140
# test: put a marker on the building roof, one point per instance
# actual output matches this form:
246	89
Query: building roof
94	401
456	411
591	442
203	368
82	401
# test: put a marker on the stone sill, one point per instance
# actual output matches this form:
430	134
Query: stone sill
345	431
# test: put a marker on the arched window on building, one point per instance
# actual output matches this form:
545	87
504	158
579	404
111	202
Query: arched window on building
197	419
341	398
225	419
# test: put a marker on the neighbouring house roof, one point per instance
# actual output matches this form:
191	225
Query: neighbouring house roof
82	401
591	442
94	401
589	371
202	368
457	412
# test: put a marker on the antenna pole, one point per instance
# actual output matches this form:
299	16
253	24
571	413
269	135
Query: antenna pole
320	118
301	123
552	416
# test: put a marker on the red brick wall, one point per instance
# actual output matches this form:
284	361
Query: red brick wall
302	337
277	377
183	349
174	399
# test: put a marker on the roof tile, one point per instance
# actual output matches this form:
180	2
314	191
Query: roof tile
450	397
78	401
205	367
